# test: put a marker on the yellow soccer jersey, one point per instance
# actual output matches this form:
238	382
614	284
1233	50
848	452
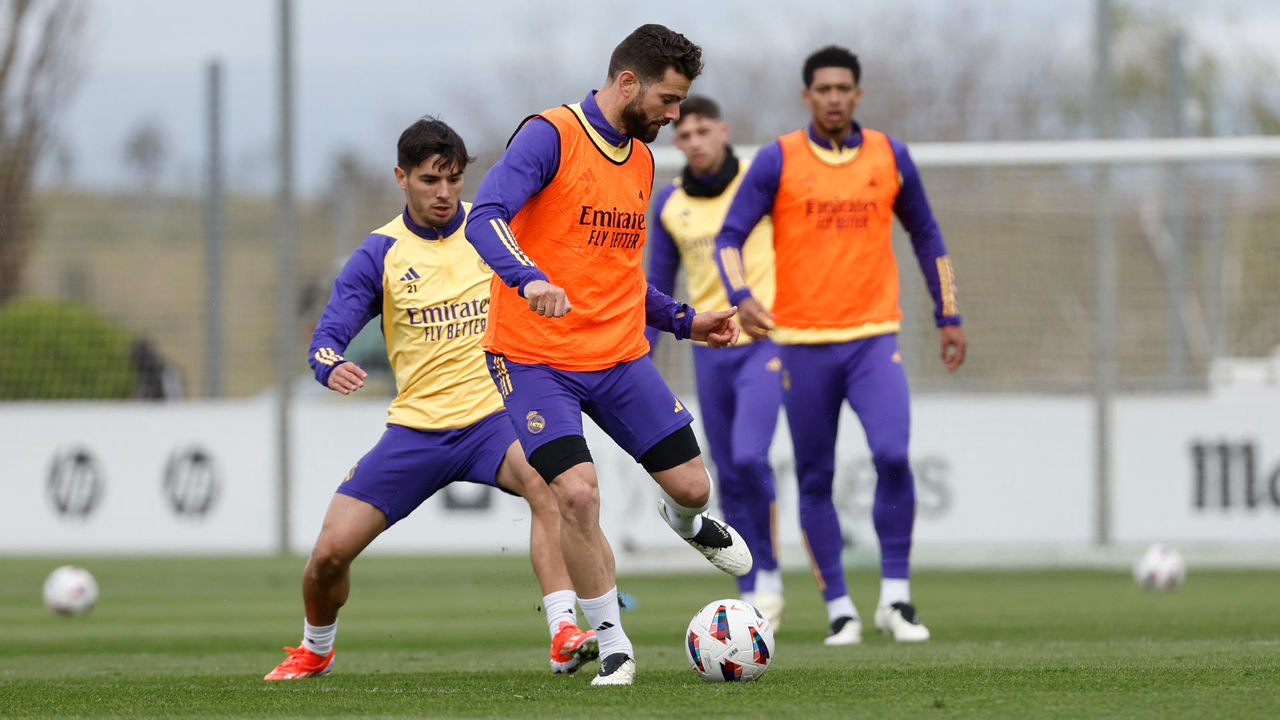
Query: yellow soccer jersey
432	290
688	226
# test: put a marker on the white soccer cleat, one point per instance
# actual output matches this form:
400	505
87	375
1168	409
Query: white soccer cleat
718	542
845	631
901	622
616	669
770	605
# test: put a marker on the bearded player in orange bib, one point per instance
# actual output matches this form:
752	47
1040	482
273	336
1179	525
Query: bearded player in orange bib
561	220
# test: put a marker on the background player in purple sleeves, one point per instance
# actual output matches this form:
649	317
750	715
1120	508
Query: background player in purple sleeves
447	423
833	190
739	388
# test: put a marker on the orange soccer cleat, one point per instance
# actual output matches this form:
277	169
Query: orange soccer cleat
301	663
571	647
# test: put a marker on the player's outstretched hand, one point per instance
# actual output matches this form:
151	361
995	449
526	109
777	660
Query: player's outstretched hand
347	378
953	346
756	321
546	299
715	327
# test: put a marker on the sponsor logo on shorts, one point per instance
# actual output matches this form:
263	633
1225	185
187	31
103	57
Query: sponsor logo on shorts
535	422
774	365
897	357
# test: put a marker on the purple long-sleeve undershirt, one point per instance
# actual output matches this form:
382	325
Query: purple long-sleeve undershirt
528	165
355	300
755	197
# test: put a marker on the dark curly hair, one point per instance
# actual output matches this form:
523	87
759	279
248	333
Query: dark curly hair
831	56
650	49
430	136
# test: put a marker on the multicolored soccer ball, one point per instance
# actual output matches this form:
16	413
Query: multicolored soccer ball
70	590
1160	568
729	641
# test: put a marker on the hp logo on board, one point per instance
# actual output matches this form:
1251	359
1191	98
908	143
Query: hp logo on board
75	483
191	482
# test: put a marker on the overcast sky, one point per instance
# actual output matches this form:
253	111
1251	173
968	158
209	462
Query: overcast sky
365	70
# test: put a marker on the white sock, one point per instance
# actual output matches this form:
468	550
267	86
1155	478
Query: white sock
605	619
319	638
894	590
841	607
685	521
560	609
769	581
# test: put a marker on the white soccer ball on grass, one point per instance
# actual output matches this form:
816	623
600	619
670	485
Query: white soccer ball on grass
1160	568
70	590
729	641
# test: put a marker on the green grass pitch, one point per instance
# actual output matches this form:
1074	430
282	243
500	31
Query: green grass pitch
463	637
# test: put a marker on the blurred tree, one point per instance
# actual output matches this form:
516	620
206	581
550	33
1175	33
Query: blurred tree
1143	74
145	151
39	64
960	75
365	182
359	197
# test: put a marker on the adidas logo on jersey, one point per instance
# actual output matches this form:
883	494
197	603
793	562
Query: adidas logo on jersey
410	276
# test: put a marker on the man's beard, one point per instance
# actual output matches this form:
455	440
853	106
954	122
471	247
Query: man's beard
637	124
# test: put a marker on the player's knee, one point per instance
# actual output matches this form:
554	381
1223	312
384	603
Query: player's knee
815	488
751	465
327	562
732	491
671	451
890	461
577	494
692	490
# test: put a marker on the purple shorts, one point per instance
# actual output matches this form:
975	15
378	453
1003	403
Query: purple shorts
629	401
408	466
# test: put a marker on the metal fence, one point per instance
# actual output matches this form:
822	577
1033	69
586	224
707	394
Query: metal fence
1196	257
